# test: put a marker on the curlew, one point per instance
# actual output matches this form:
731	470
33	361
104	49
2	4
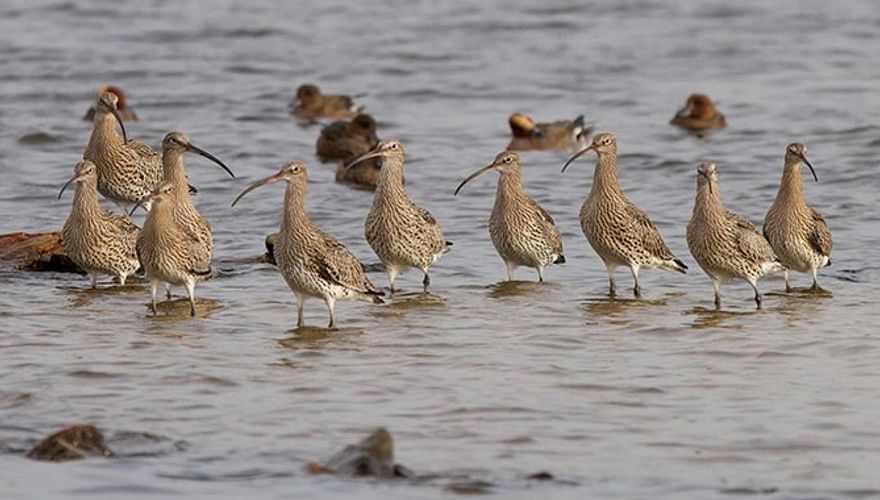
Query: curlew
566	135
403	234
523	233
311	104
169	253
620	232
127	170
96	240
796	231
726	245
126	113
313	263
699	115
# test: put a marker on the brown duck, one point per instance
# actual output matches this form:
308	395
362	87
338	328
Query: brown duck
566	135
699	115
311	104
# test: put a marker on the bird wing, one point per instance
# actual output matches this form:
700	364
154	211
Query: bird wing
433	234
820	236
547	223
338	265
647	232
749	242
148	162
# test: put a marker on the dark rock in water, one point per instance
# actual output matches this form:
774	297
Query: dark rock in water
71	443
269	256
36	252
373	456
541	476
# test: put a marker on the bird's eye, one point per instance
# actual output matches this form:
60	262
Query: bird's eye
508	159
393	146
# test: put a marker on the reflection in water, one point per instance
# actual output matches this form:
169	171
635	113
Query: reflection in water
615	306
801	304
83	296
312	337
400	303
504	289
178	309
712	318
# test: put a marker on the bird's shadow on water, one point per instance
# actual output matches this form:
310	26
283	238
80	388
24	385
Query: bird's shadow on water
85	295
313	337
400	303
506	289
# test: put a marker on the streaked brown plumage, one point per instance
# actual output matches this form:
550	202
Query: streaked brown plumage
311	104
726	245
96	240
187	217
125	112
169	252
127	170
523	233
402	234
619	231
796	231
565	135
313	263
699	115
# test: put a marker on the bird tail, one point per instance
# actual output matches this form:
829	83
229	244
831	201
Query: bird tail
675	265
202	273
447	249
772	266
560	259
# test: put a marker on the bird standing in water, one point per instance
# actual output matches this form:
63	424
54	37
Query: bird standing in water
619	231
523	233
313	263
796	231
403	234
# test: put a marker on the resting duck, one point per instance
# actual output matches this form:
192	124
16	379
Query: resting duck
567	135
699	115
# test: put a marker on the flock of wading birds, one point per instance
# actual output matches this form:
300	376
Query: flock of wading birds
175	245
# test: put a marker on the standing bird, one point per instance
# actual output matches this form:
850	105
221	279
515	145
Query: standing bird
523	233
313	263
188	218
566	135
401	233
96	240
311	104
699	115
125	112
169	252
620	232
127	170
795	230
726	245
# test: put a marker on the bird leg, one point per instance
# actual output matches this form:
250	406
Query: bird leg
785	276
425	282
154	290
540	274
717	287
612	287
331	306
300	306
757	294
94	277
167	291
637	290
191	291
510	267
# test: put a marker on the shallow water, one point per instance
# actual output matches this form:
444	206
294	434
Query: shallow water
661	398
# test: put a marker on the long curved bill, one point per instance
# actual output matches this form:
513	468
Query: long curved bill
708	179
121	125
472	176
804	159
366	156
577	155
211	157
68	183
261	182
140	203
683	112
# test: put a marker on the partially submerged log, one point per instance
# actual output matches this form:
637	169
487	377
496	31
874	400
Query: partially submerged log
35	252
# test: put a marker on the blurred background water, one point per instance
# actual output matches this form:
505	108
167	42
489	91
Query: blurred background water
658	398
